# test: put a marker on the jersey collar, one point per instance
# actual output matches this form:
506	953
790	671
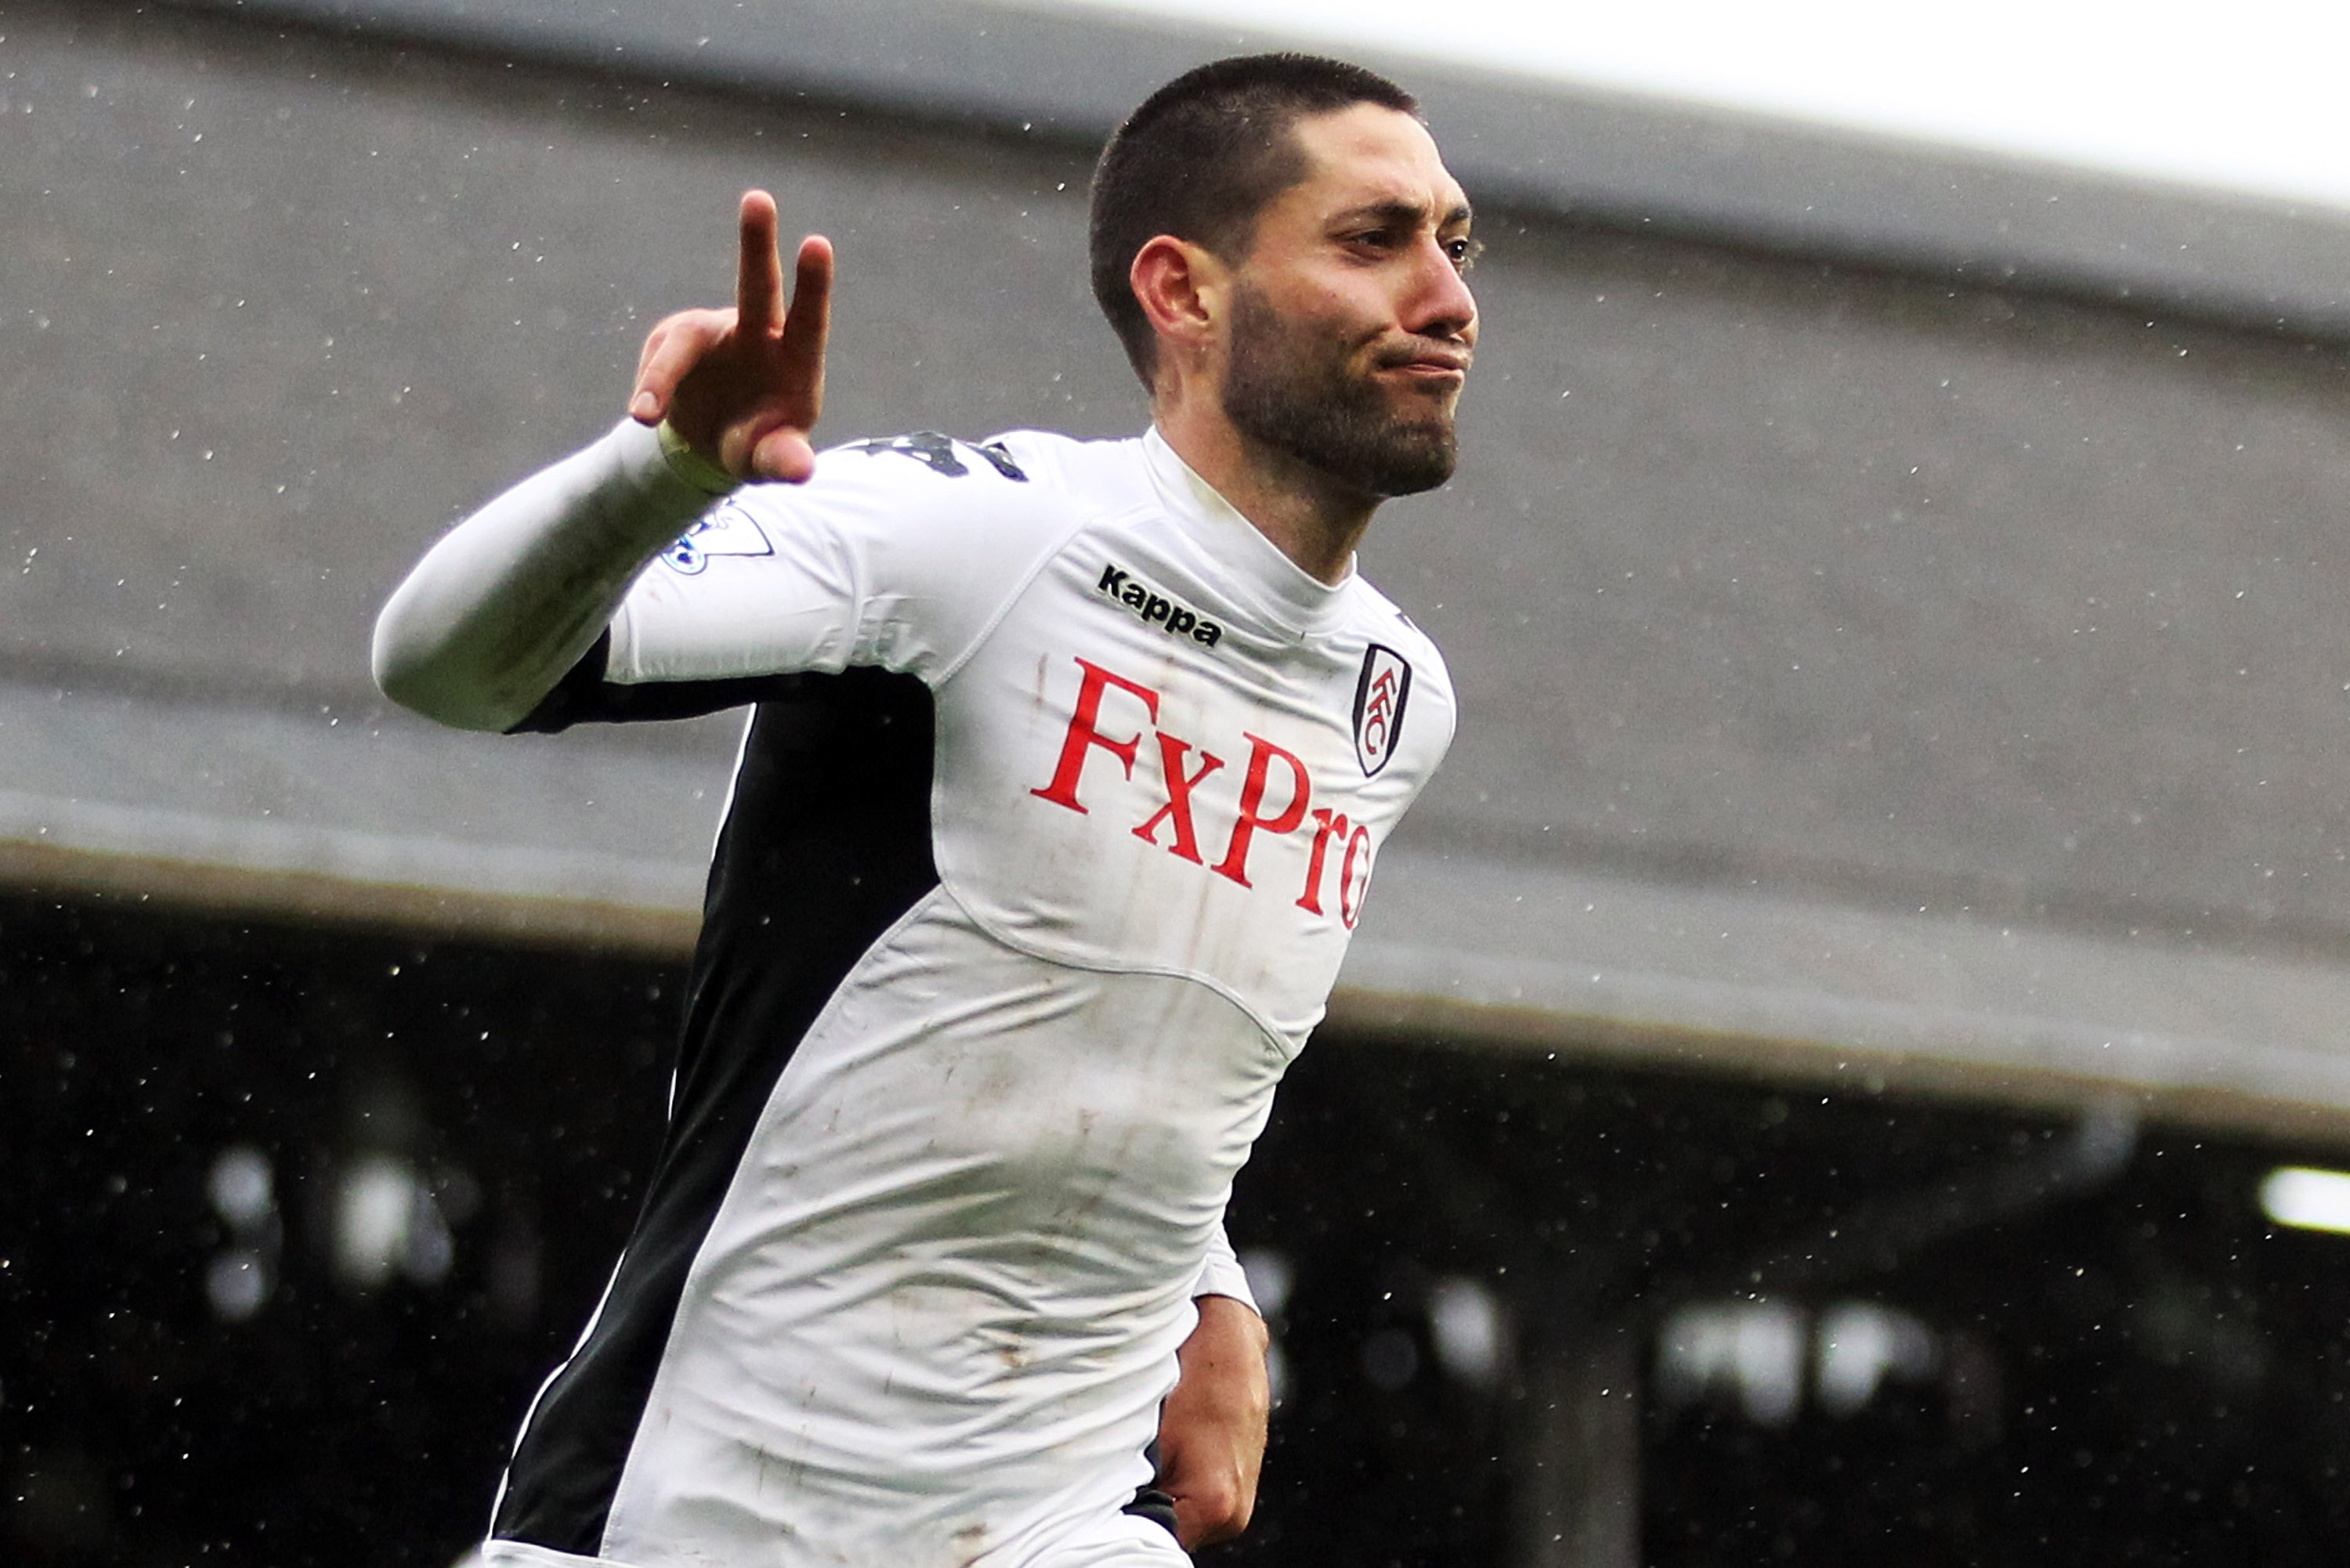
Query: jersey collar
1287	592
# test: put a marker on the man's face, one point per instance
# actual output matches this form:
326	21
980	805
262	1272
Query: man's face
1351	327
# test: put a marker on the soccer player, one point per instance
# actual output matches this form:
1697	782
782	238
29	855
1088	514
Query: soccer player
1067	768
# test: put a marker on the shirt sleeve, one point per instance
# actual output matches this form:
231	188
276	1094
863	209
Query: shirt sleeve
898	553
1220	1273
511	598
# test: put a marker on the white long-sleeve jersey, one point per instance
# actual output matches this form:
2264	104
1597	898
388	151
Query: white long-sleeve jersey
1061	797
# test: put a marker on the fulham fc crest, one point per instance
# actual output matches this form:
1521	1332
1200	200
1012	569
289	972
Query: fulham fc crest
1379	707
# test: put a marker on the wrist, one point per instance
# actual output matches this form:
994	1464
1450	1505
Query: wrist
690	465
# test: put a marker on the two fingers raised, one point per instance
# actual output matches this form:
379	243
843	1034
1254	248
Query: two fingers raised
746	384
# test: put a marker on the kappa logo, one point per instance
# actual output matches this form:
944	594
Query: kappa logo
1156	608
1379	698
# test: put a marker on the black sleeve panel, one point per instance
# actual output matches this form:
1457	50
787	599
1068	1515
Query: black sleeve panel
583	697
826	846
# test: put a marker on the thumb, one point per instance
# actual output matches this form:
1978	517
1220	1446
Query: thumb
784	454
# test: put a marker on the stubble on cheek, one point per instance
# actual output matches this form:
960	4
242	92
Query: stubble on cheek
1299	391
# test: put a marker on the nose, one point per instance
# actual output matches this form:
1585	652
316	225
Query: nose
1441	304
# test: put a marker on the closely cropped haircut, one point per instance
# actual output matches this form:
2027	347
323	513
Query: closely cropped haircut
1200	160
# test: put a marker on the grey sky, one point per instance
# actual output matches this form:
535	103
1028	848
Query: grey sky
2245	95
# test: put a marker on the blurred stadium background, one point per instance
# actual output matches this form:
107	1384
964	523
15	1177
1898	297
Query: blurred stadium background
1807	1081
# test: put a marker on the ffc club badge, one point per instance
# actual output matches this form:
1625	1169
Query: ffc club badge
1379	707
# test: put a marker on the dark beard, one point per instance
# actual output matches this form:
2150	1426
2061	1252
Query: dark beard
1286	391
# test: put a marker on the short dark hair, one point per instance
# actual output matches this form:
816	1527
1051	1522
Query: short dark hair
1201	159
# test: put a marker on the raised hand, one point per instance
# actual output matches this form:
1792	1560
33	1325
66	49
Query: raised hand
744	385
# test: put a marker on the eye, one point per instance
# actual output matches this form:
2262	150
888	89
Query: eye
1463	251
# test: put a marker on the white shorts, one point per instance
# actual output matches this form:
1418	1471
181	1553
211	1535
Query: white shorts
1115	1541
1118	1540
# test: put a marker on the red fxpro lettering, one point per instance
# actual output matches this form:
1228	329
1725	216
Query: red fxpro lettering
1262	754
1178	809
1327	824
1354	866
1085	733
1355	875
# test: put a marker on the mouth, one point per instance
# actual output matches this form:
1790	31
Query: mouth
1430	362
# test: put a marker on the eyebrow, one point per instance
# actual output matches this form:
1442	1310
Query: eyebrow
1410	214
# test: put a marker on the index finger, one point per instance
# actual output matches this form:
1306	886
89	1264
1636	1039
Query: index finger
758	270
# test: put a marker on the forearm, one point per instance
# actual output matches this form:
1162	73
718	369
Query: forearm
1211	1427
510	598
1224	1361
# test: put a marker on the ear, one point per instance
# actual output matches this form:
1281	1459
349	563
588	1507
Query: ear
1181	288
